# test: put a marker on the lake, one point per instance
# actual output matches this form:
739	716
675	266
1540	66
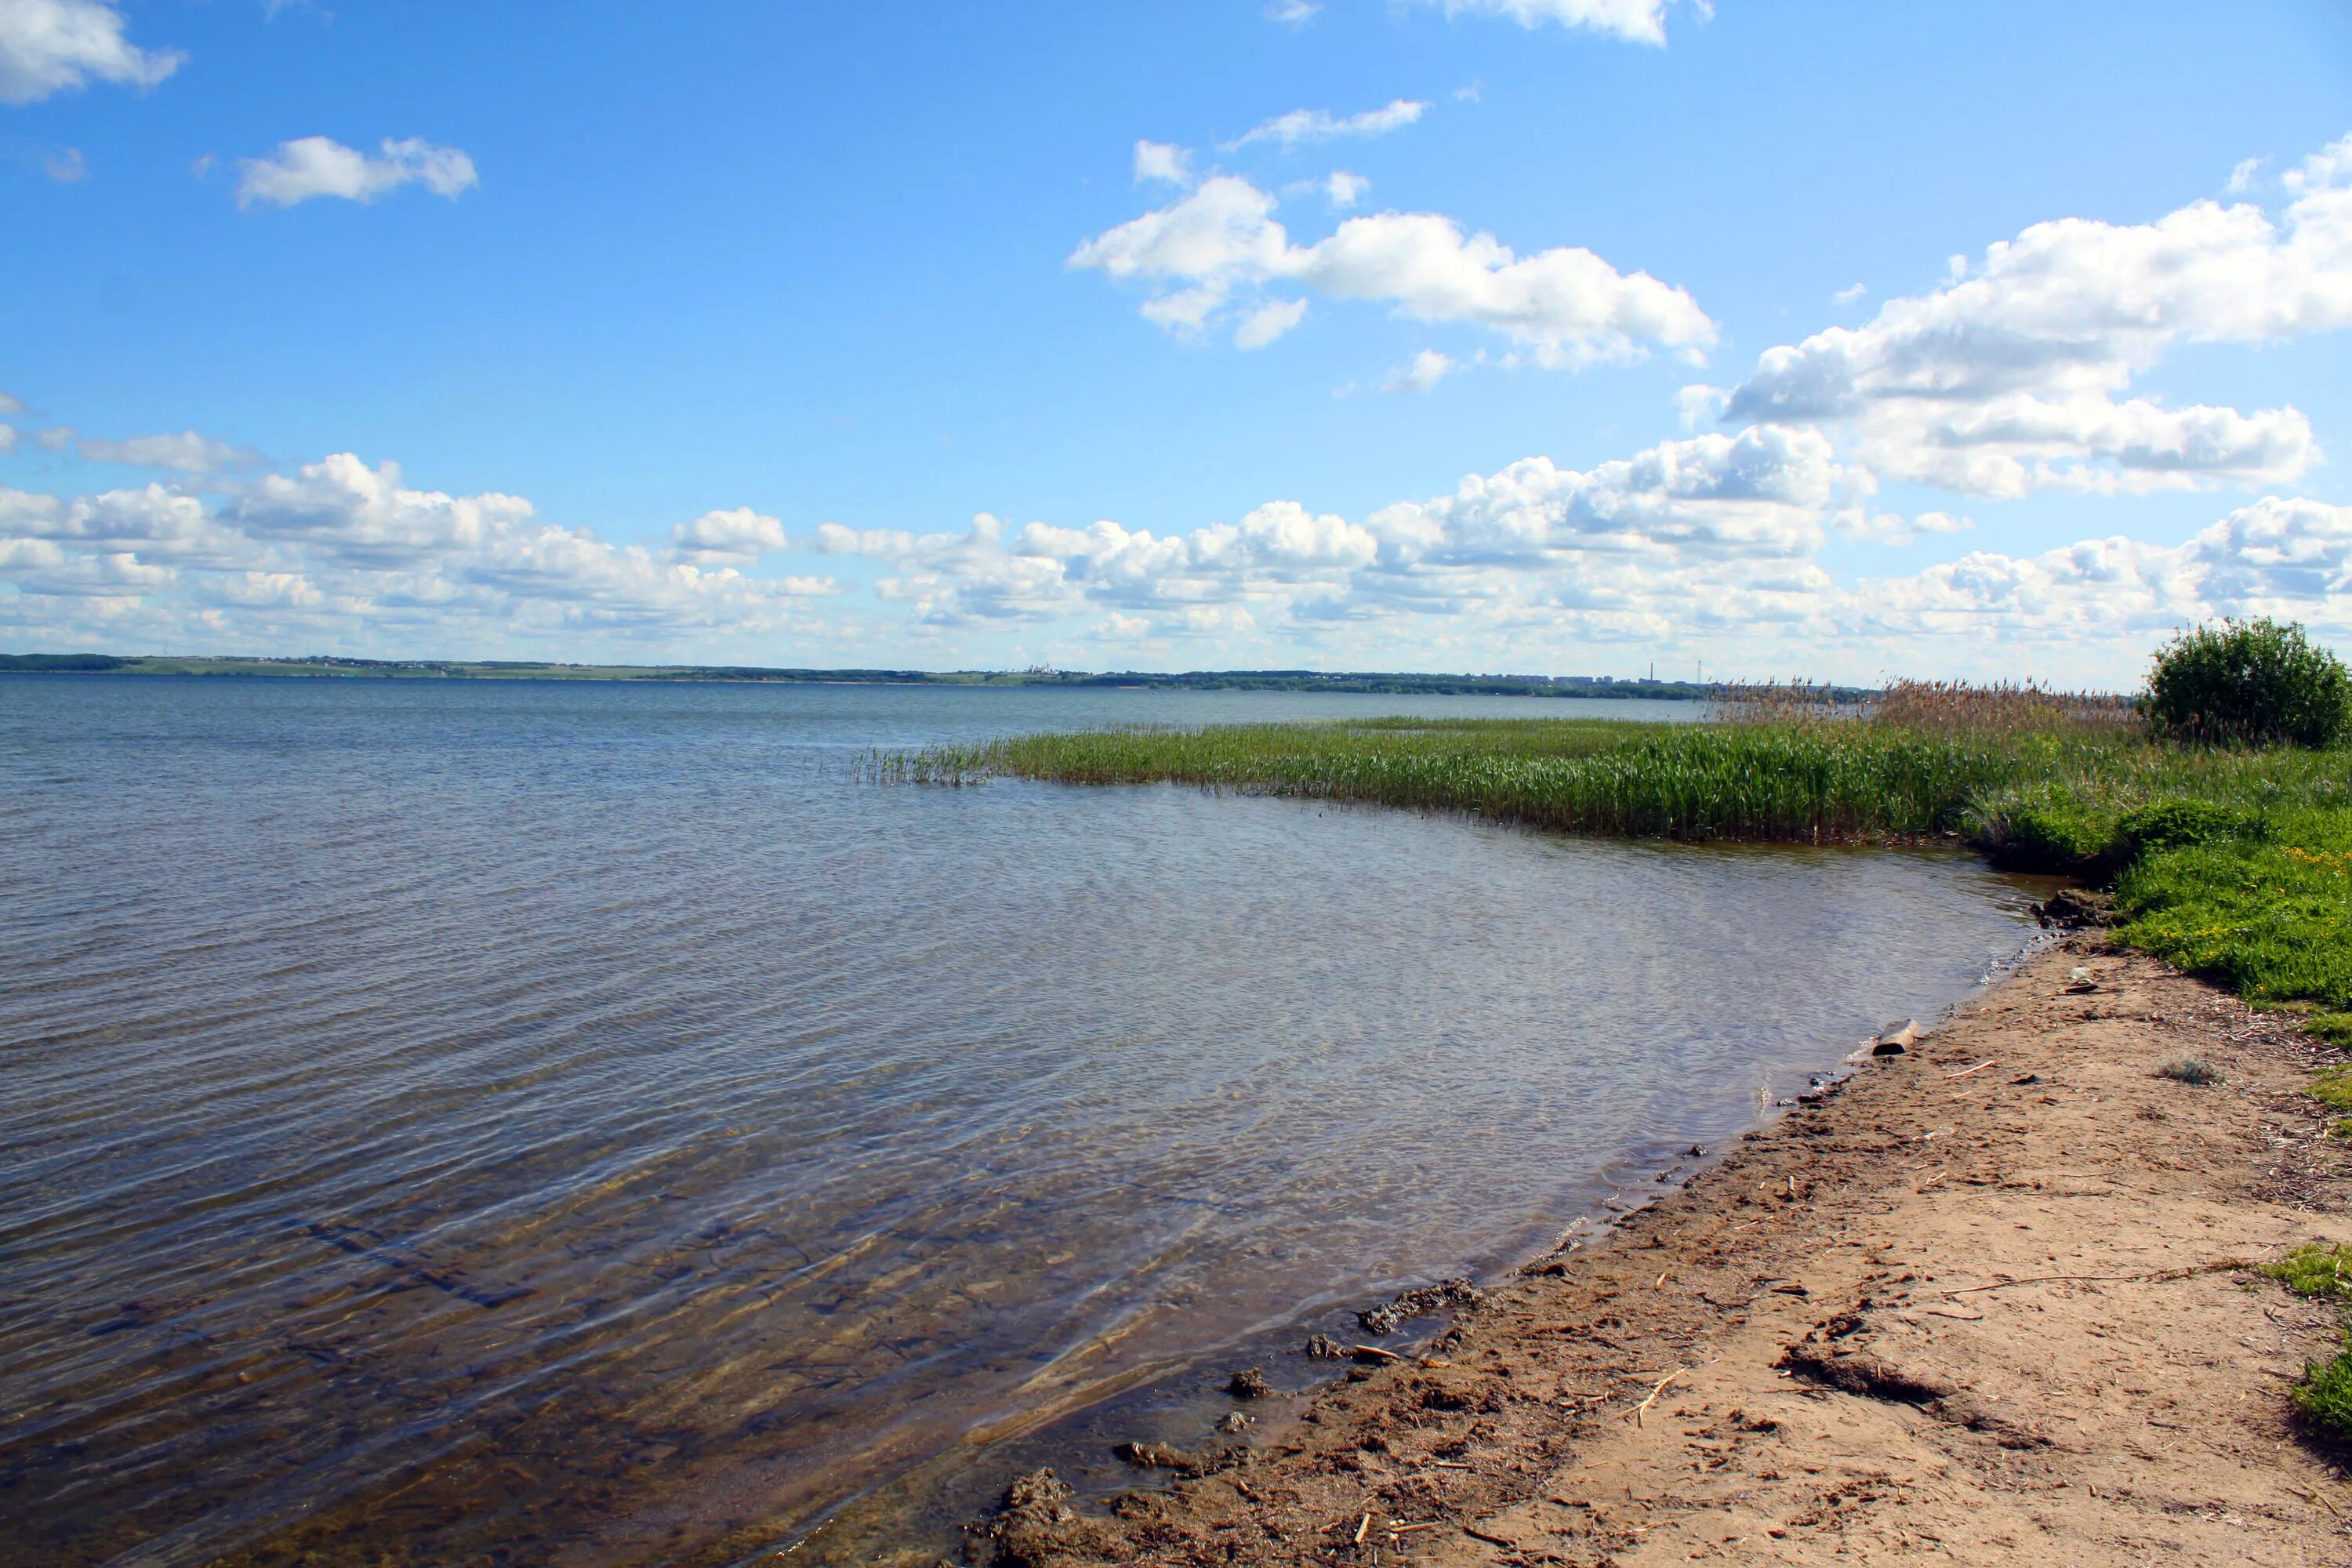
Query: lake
563	1121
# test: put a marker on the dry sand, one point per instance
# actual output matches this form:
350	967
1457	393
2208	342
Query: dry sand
1998	1315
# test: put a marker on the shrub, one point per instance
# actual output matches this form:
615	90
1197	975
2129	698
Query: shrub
2195	1071
2254	683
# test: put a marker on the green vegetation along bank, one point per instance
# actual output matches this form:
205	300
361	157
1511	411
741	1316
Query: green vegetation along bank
2232	864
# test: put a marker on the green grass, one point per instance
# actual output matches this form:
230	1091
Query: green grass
2322	1396
1674	780
2234	864
2314	1270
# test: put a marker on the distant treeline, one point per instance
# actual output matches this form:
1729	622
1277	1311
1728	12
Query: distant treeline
1374	682
91	663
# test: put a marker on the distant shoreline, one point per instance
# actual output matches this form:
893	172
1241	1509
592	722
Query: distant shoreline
1374	683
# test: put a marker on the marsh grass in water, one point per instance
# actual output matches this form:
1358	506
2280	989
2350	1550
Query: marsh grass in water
2232	864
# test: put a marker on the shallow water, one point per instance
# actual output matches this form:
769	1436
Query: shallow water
528	1122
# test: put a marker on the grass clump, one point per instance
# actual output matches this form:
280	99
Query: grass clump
2249	683
2195	1071
2317	1269
2322	1395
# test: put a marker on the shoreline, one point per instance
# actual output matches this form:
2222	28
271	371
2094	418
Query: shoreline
1991	1299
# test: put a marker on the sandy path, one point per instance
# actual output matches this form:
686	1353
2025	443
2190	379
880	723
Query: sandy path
1872	1359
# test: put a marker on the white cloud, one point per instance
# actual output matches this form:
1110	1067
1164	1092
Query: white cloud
202	167
66	167
186	453
50	46
719	537
1892	528
1267	322
1711	542
1344	190
9	405
7	437
313	167
2287	558
1849	294
1162	161
2008	378
1291	13
1565	307
1428	368
1637	21
1322	125
2242	177
55	438
339	550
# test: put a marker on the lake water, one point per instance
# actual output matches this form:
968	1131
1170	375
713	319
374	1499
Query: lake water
532	1123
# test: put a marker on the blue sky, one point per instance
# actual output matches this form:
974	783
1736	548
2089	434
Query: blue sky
705	331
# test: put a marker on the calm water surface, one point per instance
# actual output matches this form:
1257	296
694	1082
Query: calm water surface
535	1122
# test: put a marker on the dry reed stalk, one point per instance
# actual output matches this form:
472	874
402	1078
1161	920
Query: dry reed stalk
2004	708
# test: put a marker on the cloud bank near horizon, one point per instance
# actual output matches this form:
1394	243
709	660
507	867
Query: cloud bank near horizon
2018	374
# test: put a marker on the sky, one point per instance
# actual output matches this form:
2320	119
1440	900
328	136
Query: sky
1841	340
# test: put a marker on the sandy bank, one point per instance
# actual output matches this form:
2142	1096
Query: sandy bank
1979	1316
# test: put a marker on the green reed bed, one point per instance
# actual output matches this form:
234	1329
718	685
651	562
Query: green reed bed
2236	865
1687	782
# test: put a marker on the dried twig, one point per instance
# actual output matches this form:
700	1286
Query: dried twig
1969	1072
1645	1404
2224	1265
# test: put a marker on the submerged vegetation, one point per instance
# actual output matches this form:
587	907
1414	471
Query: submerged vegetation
2230	861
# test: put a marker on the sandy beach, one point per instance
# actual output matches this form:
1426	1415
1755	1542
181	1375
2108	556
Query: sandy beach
1992	1301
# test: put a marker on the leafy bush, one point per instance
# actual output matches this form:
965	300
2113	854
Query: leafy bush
2254	683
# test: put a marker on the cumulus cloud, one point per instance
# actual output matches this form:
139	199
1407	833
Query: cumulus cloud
1565	307
1302	125
187	453
2282	557
1291	13
55	438
1619	550
49	46
311	166
719	537
2012	376
1162	161
340	547
1344	190
1637	21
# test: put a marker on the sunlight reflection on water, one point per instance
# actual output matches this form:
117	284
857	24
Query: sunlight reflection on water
578	1122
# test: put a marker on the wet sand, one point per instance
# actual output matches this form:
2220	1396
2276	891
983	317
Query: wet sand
1956	1311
